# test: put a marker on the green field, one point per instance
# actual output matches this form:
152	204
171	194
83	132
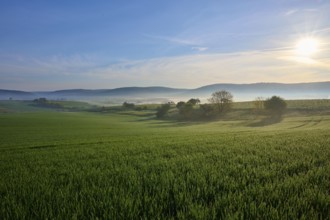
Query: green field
128	165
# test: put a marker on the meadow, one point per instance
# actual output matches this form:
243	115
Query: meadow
129	165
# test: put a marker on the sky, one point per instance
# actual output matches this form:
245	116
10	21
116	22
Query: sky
53	45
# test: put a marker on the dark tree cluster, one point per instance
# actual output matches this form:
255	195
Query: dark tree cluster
40	100
219	104
128	105
207	110
162	110
43	102
141	108
276	105
186	109
194	101
132	106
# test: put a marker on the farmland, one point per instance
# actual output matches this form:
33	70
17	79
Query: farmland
128	165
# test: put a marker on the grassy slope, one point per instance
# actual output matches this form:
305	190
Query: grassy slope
86	165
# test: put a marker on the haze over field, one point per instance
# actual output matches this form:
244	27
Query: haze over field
241	92
55	45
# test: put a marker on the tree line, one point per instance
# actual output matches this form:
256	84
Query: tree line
219	104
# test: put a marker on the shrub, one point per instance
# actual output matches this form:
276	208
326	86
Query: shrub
128	105
275	104
162	110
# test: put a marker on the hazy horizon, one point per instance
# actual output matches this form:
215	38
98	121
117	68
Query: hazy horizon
47	46
156	94
183	88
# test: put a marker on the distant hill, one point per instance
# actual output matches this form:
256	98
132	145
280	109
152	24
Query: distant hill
315	90
15	94
124	91
319	90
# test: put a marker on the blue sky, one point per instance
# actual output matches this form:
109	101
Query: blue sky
50	45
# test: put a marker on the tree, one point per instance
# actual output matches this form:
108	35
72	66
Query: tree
40	100
275	104
258	103
128	105
194	101
207	109
186	109
162	110
222	100
180	104
43	102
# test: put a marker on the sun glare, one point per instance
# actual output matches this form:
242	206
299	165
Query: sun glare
307	47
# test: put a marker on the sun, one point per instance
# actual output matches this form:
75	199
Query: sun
307	47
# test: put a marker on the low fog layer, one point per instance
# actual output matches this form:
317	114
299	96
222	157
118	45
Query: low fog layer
241	92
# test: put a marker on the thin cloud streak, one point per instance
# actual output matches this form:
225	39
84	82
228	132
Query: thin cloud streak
172	39
200	49
197	70
190	71
326	29
58	65
291	12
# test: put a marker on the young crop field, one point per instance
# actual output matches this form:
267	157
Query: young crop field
128	165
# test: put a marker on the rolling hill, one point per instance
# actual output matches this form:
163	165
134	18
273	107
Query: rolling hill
241	92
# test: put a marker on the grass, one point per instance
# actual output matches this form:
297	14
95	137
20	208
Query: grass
126	165
9	106
312	104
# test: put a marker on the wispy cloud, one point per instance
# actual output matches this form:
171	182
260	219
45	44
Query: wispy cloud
200	49
197	70
173	40
190	71
47	73
290	12
59	65
296	11
325	29
319	64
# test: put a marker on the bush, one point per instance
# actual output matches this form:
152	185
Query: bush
207	110
43	102
162	110
186	109
194	101
275	104
40	100
180	104
128	105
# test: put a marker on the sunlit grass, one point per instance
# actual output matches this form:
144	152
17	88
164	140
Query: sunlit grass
127	165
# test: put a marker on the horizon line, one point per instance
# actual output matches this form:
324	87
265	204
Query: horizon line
166	86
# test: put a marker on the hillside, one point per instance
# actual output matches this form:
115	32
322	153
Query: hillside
15	94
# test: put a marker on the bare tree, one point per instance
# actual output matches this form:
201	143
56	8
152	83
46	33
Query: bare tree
258	103
222	100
